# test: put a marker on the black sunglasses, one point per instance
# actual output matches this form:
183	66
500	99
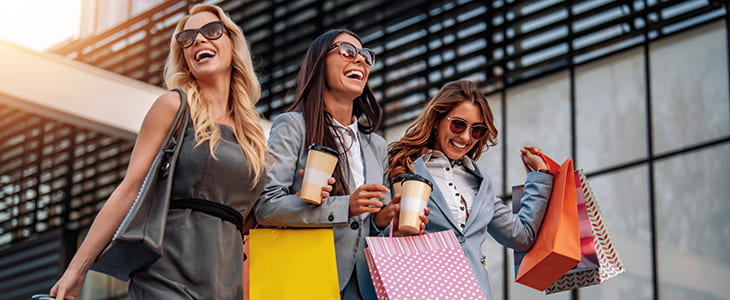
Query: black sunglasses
349	52
211	31
458	125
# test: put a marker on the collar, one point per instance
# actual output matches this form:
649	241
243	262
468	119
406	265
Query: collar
437	154
352	126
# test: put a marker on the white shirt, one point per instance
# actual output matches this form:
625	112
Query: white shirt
458	186
349	143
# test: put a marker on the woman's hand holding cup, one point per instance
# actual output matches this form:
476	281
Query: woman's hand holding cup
325	189
396	223
363	199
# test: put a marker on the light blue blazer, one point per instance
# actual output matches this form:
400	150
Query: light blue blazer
279	207
488	213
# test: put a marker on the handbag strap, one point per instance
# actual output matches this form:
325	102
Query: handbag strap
173	141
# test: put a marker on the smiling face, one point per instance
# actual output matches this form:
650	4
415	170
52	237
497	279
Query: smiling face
206	57
456	146
346	78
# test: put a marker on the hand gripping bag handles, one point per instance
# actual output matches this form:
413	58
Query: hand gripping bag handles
557	247
138	241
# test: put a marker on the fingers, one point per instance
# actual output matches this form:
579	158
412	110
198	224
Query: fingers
358	210
373	187
530	150
368	195
301	173
396	199
369	203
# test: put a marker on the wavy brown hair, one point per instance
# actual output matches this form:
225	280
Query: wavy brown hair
311	83
244	94
420	135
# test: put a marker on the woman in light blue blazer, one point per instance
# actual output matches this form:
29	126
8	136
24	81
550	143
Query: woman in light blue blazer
334	107
442	145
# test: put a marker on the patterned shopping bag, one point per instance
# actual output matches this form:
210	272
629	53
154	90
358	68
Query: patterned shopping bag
609	262
429	266
599	259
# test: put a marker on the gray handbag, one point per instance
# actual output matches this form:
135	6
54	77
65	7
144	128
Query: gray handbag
137	243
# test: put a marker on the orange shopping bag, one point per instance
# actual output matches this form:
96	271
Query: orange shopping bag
557	247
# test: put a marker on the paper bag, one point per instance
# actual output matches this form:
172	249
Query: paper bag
292	264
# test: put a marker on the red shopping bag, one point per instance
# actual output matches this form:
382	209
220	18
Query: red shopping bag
428	266
557	247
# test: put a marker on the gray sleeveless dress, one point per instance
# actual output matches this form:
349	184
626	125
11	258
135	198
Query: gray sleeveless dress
203	254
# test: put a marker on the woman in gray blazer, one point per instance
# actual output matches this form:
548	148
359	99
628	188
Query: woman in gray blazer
442	145
334	107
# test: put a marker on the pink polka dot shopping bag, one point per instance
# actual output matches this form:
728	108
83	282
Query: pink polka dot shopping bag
428	266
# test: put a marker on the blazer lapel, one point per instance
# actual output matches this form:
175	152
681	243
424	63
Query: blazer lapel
483	201
437	197
370	162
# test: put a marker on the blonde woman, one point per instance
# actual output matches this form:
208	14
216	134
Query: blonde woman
221	163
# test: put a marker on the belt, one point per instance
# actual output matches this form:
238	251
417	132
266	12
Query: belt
224	212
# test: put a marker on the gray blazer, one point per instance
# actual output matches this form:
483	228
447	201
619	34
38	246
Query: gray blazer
488	213
279	207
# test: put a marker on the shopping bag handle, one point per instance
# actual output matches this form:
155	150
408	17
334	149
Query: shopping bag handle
553	166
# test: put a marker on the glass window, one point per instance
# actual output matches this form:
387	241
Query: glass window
623	198
689	86
538	114
491	160
693	231
610	111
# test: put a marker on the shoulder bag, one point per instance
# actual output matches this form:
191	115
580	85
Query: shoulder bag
137	243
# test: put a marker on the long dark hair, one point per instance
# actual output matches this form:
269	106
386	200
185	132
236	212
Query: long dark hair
311	83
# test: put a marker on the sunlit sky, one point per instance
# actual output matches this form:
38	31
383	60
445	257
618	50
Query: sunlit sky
39	24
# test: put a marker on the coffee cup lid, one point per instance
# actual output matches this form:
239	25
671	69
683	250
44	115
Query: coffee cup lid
400	178
410	176
323	149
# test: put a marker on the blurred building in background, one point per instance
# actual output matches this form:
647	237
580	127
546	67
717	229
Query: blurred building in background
637	92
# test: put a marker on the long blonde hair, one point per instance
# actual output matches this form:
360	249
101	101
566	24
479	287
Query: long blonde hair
420	135
244	94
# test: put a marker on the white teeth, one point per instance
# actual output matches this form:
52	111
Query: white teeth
199	54
355	74
460	146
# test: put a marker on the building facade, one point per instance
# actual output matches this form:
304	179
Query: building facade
636	92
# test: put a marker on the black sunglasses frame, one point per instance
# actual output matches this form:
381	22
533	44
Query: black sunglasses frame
185	43
475	128
366	53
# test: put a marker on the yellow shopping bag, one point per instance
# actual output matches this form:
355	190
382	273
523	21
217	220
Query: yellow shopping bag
292	264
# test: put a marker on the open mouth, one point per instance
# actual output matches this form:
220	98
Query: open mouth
354	74
458	146
204	54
